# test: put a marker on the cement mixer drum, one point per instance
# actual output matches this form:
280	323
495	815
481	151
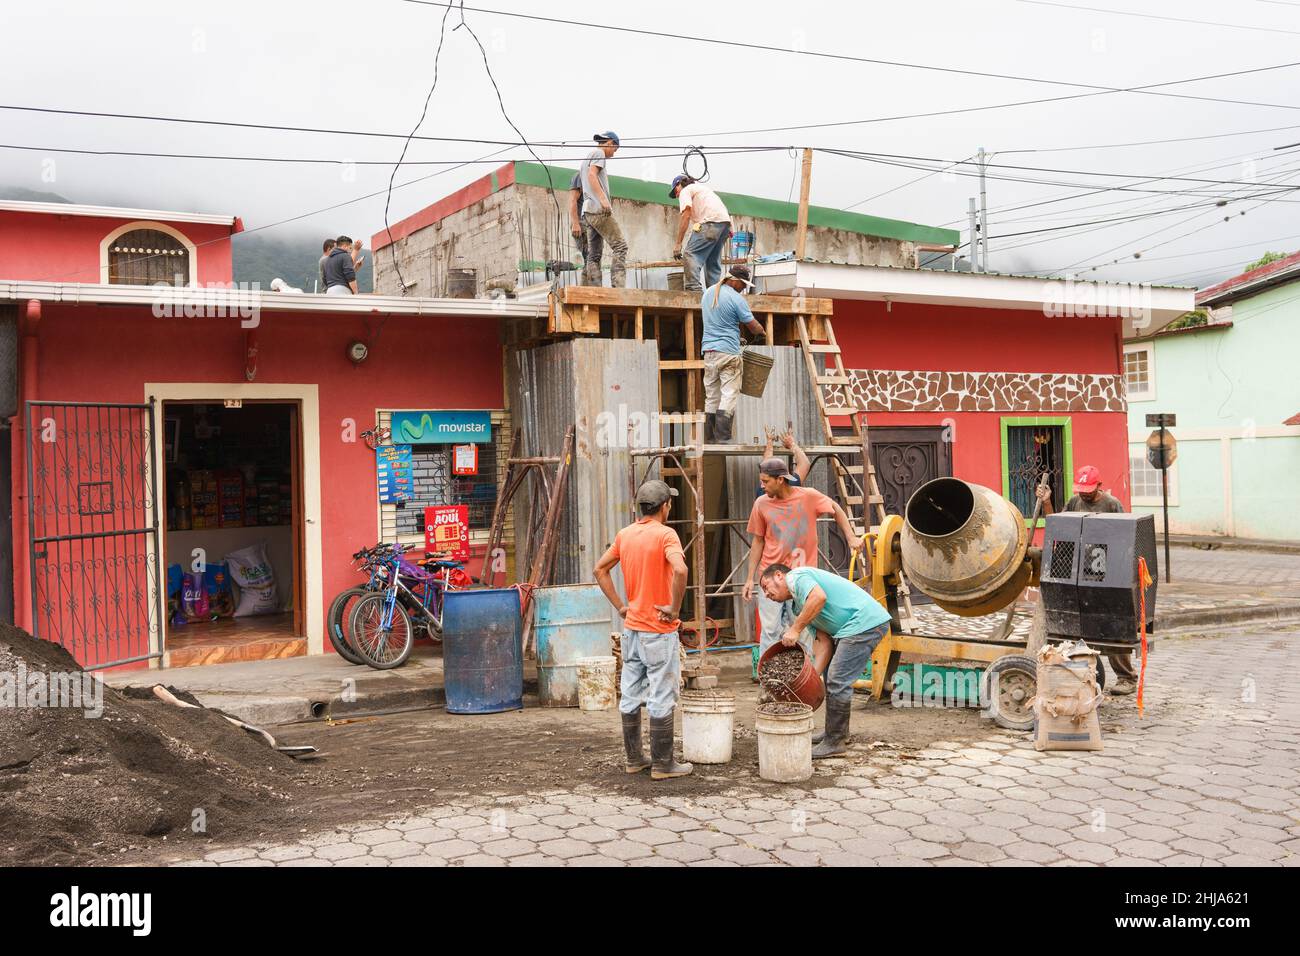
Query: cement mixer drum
965	546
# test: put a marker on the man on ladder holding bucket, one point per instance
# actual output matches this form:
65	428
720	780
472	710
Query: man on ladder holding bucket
725	311
654	575
849	622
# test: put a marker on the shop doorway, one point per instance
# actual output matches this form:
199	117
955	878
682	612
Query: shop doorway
233	531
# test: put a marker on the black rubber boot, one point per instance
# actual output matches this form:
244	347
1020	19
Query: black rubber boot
836	739
636	761
709	418
722	427
665	765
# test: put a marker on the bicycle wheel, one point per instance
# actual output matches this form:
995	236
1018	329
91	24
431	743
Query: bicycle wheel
336	623
381	647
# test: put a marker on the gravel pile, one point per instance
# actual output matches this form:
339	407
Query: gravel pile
777	674
75	787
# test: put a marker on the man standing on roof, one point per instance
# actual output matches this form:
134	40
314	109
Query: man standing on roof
654	576
783	526
1090	497
339	270
598	211
725	311
710	224
587	240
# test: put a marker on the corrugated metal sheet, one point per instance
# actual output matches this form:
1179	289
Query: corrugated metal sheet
598	385
788	397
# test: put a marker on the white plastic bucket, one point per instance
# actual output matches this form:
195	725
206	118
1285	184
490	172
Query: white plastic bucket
785	744
708	718
596	683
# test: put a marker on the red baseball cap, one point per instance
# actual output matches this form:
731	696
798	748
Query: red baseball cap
1087	479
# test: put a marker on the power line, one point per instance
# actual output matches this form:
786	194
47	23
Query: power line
1149	142
1154	16
822	54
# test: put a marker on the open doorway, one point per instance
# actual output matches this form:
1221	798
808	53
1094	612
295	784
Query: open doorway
233	543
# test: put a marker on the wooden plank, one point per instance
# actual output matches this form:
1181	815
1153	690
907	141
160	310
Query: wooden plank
640	316
815	349
805	186
677	365
666	301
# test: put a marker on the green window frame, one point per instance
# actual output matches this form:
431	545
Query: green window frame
1067	473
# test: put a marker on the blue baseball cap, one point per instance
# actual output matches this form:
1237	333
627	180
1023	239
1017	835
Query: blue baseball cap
607	135
678	181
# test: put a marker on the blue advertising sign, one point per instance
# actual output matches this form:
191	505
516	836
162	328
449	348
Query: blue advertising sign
395	480
442	428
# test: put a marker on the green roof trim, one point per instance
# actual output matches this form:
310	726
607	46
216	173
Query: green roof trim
641	190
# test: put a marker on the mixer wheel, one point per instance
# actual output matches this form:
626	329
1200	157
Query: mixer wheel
1009	684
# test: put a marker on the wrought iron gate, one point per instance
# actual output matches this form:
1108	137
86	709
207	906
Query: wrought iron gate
92	513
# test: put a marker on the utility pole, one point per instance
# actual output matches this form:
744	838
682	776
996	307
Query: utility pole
805	183
984	217
974	245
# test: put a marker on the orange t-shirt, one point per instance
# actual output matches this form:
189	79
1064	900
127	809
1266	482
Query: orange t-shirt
788	526
643	550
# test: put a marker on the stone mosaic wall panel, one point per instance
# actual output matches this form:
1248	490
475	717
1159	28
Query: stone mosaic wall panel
887	390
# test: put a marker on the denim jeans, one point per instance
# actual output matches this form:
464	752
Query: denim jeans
848	661
652	672
703	253
774	619
603	228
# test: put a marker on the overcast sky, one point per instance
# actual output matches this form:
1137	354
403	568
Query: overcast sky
367	67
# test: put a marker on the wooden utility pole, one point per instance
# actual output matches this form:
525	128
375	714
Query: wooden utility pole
801	236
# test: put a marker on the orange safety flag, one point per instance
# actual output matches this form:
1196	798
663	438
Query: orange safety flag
1144	579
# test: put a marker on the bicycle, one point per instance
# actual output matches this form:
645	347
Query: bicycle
373	562
382	624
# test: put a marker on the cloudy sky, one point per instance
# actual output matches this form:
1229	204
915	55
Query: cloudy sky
367	67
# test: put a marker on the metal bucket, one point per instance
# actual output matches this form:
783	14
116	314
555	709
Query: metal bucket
570	622
482	652
462	283
966	546
676	281
757	367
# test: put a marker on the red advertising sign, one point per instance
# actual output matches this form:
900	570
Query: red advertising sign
446	528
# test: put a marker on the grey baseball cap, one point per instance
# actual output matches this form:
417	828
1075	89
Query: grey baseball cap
777	468
654	493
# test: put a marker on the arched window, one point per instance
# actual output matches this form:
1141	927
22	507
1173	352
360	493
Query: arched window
146	256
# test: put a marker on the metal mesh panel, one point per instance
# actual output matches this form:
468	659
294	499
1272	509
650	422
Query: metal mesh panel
1094	563
1062	559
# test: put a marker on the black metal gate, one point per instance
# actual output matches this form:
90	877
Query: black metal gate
93	520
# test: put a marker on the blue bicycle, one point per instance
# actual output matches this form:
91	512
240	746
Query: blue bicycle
383	623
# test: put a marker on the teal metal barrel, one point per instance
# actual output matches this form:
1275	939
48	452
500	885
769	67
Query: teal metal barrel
482	652
570	622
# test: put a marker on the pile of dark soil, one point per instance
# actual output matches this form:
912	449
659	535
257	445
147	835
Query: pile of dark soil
779	671
77	788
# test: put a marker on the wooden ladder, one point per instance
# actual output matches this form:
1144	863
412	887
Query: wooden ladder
856	485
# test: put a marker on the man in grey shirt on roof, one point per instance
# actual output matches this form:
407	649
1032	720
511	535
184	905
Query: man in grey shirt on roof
598	212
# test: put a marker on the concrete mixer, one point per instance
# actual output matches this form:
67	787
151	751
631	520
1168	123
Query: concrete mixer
970	550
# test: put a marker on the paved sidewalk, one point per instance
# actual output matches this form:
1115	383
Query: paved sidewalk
1210	777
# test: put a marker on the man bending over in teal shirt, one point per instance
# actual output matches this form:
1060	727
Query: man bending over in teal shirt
849	623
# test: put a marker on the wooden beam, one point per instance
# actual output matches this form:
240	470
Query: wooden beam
653	300
805	184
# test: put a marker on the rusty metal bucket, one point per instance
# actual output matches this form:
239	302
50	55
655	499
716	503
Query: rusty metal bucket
965	546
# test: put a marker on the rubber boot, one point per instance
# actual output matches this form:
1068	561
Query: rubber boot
835	740
636	761
665	765
722	427
709	418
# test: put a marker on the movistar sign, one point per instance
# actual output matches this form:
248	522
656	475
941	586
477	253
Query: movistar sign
441	428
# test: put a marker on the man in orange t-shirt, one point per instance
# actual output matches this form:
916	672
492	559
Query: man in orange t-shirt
783	524
654	577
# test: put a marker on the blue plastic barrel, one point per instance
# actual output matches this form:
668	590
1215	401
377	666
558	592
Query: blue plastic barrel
570	622
482	652
742	244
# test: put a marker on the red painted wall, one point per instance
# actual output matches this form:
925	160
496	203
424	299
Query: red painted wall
45	247
106	354
941	338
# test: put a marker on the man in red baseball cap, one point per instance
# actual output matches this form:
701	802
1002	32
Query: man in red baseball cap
1089	496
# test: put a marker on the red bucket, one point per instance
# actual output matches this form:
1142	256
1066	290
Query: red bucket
806	688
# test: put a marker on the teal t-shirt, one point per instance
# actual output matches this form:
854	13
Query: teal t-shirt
849	610
722	322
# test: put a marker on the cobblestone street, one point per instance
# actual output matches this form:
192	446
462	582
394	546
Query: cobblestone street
1210	777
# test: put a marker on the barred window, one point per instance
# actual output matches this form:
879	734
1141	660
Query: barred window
433	484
